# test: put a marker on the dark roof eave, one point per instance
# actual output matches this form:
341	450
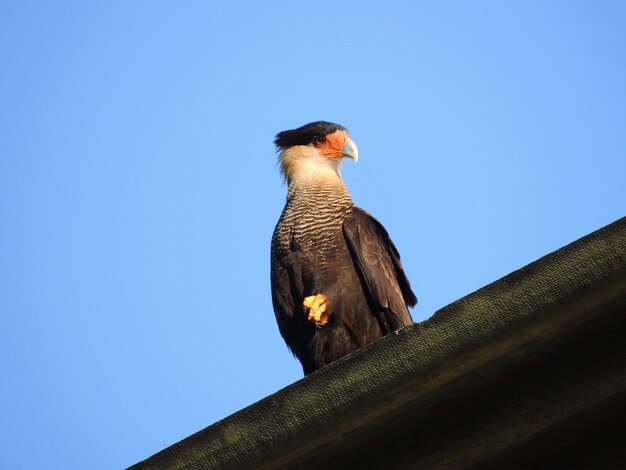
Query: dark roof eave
473	346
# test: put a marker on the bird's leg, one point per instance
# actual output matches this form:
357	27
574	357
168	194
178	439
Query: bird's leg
316	305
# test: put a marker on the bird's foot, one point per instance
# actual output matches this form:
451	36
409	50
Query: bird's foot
316	305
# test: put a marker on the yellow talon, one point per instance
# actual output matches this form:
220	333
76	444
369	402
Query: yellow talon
316	305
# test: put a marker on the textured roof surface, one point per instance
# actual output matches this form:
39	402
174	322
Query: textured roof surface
527	370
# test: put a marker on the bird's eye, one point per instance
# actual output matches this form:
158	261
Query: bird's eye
319	140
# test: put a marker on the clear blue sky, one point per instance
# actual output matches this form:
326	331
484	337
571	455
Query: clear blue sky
139	187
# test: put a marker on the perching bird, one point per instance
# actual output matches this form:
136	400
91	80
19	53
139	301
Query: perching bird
337	280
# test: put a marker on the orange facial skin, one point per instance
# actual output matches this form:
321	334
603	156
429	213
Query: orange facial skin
332	144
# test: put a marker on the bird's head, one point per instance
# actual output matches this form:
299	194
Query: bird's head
314	150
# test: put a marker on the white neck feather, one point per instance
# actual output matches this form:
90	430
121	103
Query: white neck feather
302	164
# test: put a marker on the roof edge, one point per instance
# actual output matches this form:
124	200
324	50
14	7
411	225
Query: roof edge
413	361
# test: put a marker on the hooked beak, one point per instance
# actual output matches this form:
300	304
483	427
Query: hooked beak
349	150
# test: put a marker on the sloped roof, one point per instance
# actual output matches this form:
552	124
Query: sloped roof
528	370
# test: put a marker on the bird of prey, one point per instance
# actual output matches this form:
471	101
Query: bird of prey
337	281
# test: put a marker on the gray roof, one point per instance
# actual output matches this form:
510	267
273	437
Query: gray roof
527	371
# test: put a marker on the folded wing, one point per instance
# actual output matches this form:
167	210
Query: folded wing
378	265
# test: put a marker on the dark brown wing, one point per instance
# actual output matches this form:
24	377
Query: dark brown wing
378	264
287	280
285	289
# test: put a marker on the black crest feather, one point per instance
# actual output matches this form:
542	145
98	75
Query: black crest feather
304	135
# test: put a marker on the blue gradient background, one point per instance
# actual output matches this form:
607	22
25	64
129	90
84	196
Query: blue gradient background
139	187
